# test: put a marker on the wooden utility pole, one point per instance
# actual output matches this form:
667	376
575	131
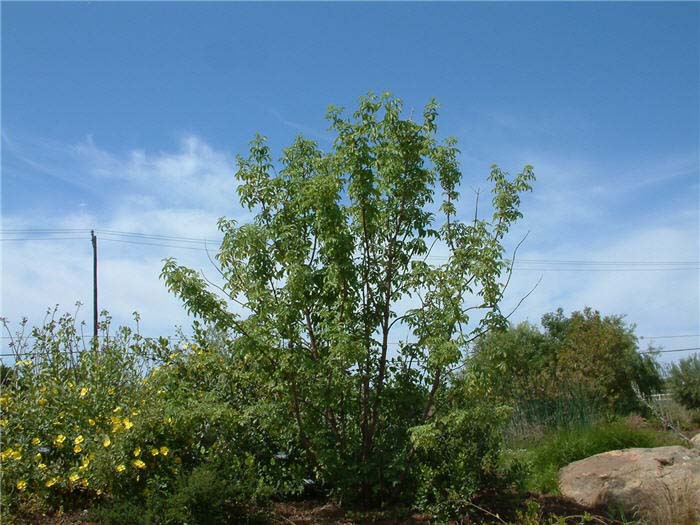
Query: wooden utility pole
94	283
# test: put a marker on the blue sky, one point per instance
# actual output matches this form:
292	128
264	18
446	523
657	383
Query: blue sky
127	116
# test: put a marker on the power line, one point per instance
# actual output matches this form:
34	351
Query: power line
520	268
667	336
43	239
202	239
536	265
556	261
155	244
158	236
672	350
43	230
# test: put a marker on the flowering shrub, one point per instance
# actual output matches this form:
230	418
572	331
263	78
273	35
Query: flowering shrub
127	418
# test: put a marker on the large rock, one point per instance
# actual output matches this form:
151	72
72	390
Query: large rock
646	481
695	440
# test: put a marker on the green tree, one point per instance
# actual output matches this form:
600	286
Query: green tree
601	354
684	381
515	362
339	241
585	354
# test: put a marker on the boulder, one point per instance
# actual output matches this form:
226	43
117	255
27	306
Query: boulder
695	440
645	481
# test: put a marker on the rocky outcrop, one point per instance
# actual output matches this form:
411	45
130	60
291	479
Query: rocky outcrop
695	440
636	480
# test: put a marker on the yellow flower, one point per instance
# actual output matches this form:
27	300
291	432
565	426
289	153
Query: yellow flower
21	485
5	454
3	422
117	410
139	464
134	412
121	468
77	449
36	441
59	439
107	442
84	482
164	451
73	477
51	482
78	440
37	456
127	424
41	466
83	391
137	452
42	389
99	492
154	452
91	422
16	455
42	401
71	384
110	391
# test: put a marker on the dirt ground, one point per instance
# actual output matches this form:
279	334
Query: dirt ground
488	509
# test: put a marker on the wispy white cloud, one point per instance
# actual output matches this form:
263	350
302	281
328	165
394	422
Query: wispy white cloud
181	192
574	213
193	175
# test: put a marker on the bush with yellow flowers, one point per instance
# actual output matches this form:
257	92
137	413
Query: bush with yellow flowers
134	420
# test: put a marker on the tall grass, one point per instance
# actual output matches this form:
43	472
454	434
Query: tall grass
534	417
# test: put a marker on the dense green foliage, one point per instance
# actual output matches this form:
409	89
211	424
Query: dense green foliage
136	423
317	286
684	381
586	360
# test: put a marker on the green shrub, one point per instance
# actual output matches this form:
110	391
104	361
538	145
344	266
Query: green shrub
595	356
130	419
459	452
684	381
